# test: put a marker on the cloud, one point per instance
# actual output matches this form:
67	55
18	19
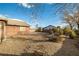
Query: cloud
3	16
26	5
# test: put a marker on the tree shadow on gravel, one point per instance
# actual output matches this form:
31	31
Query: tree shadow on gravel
68	49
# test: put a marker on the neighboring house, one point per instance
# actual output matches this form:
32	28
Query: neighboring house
10	27
48	27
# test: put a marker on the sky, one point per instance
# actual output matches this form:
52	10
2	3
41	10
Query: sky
41	14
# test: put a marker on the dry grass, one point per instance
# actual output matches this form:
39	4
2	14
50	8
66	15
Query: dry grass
36	44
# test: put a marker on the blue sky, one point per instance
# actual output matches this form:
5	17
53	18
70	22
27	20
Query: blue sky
44	13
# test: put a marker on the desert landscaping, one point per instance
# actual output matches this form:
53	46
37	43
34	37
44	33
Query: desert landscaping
37	44
39	29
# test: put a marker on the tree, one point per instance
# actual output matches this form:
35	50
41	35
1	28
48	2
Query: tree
39	29
59	8
69	19
72	19
76	18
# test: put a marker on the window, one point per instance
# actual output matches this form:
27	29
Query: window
22	28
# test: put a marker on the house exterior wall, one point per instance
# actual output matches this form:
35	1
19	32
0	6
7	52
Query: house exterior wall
27	29
24	30
12	30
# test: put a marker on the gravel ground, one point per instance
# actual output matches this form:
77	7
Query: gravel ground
34	44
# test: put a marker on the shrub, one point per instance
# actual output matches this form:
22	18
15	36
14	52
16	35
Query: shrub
67	31
59	38
73	34
50	31
77	32
55	30
60	31
52	38
39	29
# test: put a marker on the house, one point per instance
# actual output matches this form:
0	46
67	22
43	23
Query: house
49	27
10	27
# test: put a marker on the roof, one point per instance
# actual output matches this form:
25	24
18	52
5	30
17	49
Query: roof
14	22
49	27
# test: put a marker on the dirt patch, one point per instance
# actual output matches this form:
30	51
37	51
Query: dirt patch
36	45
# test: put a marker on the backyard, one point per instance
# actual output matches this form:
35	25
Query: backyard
37	44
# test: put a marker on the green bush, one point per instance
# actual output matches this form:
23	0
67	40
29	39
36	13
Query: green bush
67	31
73	34
55	30
77	32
